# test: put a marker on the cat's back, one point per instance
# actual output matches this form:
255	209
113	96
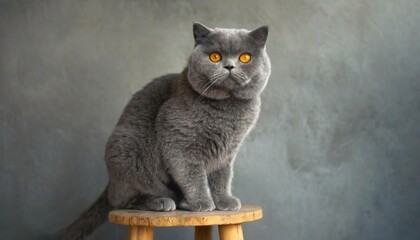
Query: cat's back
145	103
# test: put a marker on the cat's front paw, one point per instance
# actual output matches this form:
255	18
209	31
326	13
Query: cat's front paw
163	204
204	205
228	203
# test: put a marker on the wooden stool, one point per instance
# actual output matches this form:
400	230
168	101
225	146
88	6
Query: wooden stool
142	223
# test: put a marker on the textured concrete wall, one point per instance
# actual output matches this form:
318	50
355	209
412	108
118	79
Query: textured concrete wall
335	154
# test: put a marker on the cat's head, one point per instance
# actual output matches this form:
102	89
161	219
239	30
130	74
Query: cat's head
229	62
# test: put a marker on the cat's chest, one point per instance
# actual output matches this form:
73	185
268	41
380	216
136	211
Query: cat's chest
223	128
209	133
219	135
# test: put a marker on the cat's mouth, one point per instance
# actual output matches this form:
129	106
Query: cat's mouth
239	78
230	80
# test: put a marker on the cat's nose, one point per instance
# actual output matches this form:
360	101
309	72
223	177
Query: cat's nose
229	67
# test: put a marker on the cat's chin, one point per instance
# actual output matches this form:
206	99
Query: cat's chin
218	94
240	81
233	83
230	81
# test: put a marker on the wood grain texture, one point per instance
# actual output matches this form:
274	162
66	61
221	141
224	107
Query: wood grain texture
247	213
140	233
231	232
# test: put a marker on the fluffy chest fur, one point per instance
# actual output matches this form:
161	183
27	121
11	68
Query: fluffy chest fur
206	130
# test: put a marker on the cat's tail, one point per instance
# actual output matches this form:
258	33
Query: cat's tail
88	221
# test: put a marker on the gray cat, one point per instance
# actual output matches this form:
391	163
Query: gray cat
176	141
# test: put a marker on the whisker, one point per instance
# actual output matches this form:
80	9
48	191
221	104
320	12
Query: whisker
242	75
207	88
216	75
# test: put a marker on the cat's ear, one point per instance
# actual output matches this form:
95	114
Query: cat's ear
200	31
259	35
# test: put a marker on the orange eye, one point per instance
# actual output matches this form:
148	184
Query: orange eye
215	57
245	57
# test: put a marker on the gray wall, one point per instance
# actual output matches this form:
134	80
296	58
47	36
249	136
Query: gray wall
335	154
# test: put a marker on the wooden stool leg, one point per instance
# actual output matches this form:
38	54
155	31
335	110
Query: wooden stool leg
231	232
202	233
140	233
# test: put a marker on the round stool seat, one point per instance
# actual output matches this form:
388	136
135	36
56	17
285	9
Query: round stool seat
247	213
142	223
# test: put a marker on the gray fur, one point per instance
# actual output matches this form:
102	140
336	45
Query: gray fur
176	141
